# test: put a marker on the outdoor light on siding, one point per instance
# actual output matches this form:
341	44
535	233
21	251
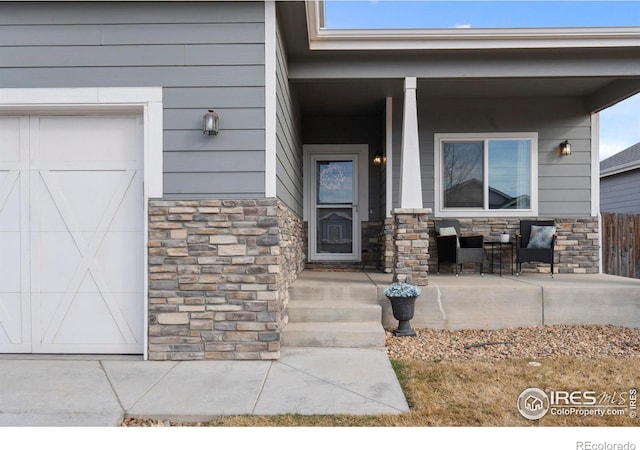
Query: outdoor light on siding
565	148
378	159
210	123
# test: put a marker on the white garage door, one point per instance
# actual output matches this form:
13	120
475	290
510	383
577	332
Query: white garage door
71	234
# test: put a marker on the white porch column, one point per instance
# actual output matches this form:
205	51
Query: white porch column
410	176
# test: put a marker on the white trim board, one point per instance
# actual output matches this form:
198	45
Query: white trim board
595	164
270	103
389	155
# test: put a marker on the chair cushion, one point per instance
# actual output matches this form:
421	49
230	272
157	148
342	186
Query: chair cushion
541	236
450	231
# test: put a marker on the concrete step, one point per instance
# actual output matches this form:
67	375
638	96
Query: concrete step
338	334
334	311
335	292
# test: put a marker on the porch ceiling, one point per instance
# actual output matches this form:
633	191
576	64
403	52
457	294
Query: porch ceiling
366	97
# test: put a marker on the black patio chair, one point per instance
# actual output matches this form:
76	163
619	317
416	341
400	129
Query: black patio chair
536	250
456	249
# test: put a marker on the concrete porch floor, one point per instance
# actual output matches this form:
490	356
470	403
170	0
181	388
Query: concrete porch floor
471	301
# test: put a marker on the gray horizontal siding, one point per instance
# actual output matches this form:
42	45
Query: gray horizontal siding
230	118
171	76
564	183
218	97
235	140
214	163
133	13
204	55
191	184
219	33
288	139
105	56
621	193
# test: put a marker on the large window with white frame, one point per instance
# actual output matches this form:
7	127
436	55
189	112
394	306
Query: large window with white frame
489	174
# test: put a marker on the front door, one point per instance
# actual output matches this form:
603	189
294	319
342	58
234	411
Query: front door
334	225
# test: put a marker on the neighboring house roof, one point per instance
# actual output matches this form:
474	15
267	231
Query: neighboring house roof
460	195
624	161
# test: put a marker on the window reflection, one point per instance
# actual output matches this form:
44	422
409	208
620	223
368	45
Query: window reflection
462	174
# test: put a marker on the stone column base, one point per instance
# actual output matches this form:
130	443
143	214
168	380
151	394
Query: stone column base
411	241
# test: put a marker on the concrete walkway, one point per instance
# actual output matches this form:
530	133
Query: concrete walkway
41	391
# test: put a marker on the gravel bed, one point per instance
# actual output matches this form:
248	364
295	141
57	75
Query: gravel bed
592	341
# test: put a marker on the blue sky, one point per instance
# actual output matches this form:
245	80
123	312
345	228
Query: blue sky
619	125
480	14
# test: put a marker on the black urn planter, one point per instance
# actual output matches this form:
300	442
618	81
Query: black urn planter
403	310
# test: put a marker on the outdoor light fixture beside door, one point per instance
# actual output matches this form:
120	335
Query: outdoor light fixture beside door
378	159
210	123
565	148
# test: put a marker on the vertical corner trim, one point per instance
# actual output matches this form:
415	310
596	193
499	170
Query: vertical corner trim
270	106
389	155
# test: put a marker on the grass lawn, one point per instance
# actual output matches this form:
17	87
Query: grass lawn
483	393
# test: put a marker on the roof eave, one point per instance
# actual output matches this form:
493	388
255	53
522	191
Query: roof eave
615	170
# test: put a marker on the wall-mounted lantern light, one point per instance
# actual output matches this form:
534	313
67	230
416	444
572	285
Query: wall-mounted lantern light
378	159
565	148
210	123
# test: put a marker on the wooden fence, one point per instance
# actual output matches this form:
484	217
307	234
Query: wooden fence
621	244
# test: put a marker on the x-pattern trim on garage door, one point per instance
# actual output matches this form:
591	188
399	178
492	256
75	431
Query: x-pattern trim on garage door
6	189
88	253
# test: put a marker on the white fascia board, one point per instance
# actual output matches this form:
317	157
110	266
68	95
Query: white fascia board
321	38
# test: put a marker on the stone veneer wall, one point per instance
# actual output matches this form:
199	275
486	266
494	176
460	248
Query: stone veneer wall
218	275
292	255
577	246
371	244
387	250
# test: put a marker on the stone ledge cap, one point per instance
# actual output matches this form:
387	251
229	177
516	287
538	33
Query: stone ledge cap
411	211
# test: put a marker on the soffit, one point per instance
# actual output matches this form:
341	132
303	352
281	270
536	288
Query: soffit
366	97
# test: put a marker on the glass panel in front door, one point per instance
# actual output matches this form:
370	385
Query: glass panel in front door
334	182
334	207
335	230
